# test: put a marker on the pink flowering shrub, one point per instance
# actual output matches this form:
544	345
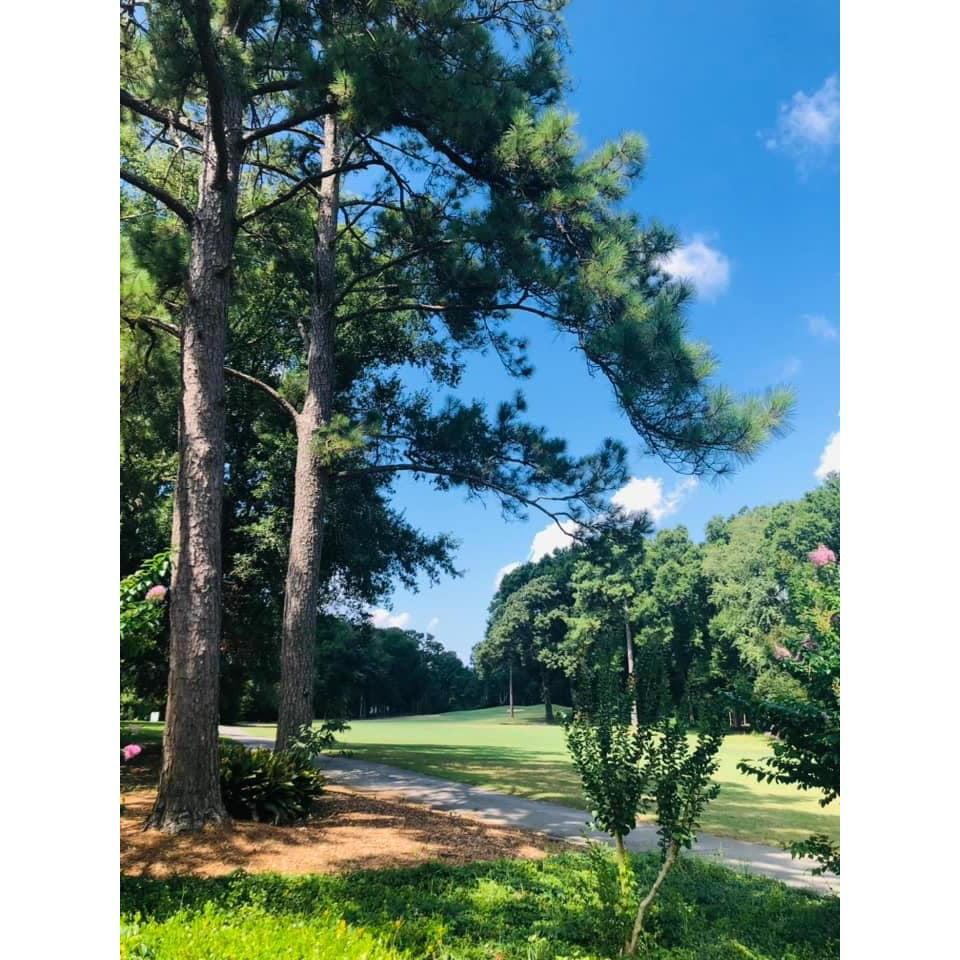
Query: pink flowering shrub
822	556
157	594
130	751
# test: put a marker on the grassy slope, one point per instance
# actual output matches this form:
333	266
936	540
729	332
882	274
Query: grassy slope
528	758
511	910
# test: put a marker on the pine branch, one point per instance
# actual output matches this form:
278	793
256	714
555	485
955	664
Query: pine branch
310	181
161	114
148	323
158	193
293	120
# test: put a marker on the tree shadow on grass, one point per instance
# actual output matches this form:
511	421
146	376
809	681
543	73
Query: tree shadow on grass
738	811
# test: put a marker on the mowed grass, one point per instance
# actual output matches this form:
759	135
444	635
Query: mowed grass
527	757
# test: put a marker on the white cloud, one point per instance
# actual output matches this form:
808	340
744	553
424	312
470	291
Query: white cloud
503	571
433	624
830	458
645	494
552	538
384	618
819	326
808	126
702	265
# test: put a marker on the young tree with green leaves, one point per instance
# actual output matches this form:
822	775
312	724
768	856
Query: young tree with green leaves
630	769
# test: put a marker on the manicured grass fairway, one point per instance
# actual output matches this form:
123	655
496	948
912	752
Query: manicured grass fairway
528	758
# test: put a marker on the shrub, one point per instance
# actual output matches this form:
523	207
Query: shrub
264	785
627	770
310	740
515	909
249	933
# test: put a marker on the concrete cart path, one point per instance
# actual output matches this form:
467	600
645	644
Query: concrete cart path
560	822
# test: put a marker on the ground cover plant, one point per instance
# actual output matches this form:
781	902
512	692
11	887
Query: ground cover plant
528	758
513	910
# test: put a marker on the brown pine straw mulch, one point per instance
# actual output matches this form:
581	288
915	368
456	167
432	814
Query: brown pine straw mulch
350	831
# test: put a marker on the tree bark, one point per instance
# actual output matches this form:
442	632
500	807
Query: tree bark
189	792
511	691
297	652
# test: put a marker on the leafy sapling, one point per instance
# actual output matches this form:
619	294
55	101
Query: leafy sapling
627	770
310	741
682	770
606	750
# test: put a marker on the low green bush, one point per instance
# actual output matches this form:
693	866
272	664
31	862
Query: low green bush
250	933
265	785
514	910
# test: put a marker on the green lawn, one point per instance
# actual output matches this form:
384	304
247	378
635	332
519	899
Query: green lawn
526	757
509	910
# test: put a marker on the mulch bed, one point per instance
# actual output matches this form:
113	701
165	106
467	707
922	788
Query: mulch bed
349	831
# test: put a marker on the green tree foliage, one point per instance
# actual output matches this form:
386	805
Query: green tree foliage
806	746
474	208
363	671
775	588
143	627
748	560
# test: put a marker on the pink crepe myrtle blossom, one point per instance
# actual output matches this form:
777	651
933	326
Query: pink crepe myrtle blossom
822	556
130	751
157	593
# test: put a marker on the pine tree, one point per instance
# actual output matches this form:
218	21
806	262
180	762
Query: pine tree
484	212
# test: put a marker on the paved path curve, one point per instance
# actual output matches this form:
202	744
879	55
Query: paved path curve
564	823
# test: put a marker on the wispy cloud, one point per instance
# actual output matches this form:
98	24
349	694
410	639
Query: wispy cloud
820	326
552	538
383	619
638	495
433	624
830	458
790	368
702	265
646	494
808	125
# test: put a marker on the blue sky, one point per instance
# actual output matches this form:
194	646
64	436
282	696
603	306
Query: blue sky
739	103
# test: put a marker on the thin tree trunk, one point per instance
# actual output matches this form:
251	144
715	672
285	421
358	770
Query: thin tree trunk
188	796
547	704
511	691
297	651
623	867
672	853
631	679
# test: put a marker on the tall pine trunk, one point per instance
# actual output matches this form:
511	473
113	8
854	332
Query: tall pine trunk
189	793
297	650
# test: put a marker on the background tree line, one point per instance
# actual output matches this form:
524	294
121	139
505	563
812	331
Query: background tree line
716	616
695	620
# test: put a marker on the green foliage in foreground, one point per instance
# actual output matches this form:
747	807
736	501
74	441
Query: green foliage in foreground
516	910
264	785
